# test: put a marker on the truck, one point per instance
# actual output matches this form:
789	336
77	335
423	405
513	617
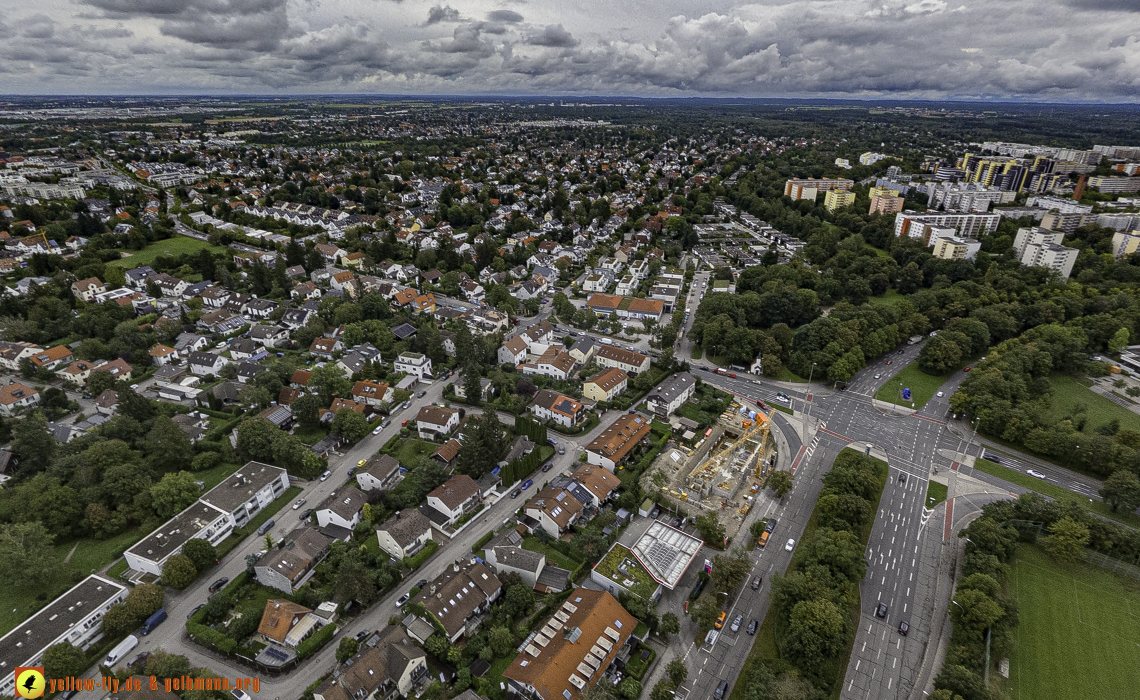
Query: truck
153	621
121	650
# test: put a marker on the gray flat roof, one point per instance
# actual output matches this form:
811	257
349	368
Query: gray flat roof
240	486
176	532
54	620
666	552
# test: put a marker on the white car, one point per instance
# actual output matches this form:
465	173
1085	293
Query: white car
790	546
403	599
940	394
300	502
1037	474
326	475
878	375
378	429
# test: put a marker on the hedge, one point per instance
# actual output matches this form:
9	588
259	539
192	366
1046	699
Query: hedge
482	541
414	562
211	637
310	646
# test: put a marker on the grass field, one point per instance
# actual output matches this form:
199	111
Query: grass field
935	494
1069	391
922	387
92	554
172	246
1079	631
888	299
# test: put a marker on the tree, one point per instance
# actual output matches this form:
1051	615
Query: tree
346	649
118	621
329	381
670	624
145	599
354	581
711	529
705	611
202	554
780	482
1066	539
730	568
472	387
307	409
940	354
1122	490
1118	340
62	660
816	631
502	641
27	555
167	446
349	424
33	442
630	688
173	493
662	690
437	645
677	671
179	572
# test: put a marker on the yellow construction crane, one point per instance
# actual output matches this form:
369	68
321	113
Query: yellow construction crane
760	428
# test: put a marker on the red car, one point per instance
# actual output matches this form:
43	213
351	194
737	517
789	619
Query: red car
761	404
889	361
731	375
966	369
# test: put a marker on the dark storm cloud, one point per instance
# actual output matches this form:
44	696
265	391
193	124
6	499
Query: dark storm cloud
505	16
439	14
554	35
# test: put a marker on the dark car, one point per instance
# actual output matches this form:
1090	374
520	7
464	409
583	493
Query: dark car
771	525
548	466
993	458
527	484
515	493
421	583
217	585
306	513
362	635
904	628
195	611
139	661
752	627
902	478
352	471
881	610
756	582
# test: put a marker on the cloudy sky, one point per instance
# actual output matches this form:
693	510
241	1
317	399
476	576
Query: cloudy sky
1037	49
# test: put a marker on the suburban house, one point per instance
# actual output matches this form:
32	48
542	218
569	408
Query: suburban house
279	620
616	442
163	355
118	368
414	363
342	508
389	665
382	472
52	357
605	385
372	393
11	352
447	452
559	408
554	362
457	597
671	394
325	347
597	481
405	533
628	361
16	397
531	567
455	497
203	363
574	649
513	351
289	565
584	349
86	290
555	509
436	421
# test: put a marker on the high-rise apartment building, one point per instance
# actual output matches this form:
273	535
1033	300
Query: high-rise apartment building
886	204
837	199
808	188
910	224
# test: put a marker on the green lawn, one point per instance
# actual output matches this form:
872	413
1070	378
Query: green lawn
95	554
787	375
935	494
408	449
1069	391
250	528
1079	631
1052	490
697	352
888	299
922	387
171	246
553	556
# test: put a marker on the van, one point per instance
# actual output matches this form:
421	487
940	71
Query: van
121	649
763	541
153	621
266	526
721	690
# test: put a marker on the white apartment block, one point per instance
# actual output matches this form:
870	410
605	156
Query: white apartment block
953	248
1035	236
1058	204
1125	243
1110	185
912	224
1056	257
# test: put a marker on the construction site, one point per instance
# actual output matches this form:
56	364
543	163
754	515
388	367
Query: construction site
723	471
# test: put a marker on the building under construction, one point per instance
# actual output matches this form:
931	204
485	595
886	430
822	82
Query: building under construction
727	466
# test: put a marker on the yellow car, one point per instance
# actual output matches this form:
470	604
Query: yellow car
720	620
361	463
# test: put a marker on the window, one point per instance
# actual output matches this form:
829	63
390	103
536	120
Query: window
617	623
566	694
